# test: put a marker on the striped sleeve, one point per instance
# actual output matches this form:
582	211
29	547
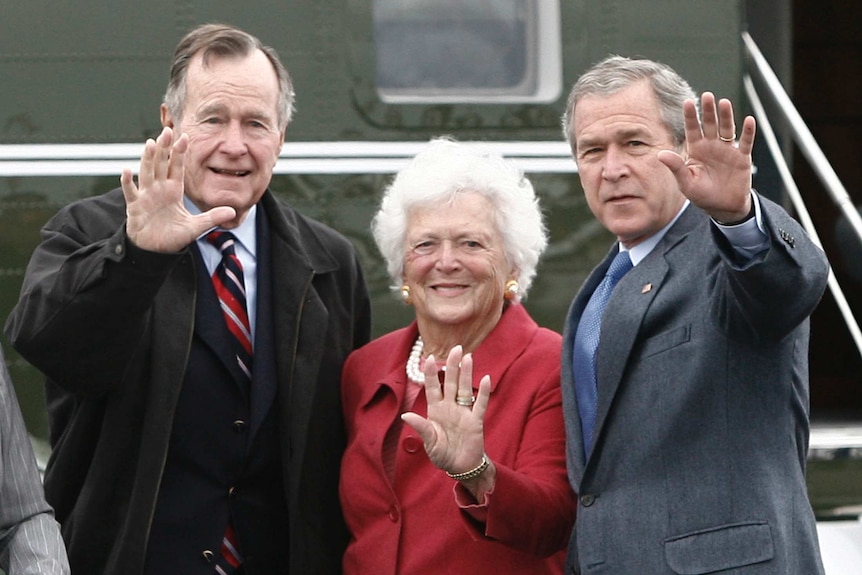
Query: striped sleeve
30	537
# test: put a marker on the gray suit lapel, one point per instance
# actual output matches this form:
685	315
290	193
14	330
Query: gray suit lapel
574	438
624	314
620	326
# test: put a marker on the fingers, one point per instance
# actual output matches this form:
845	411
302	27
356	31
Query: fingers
672	160
212	218
145	172
451	434
482	397
716	119
163	158
127	182
726	123
176	166
717	122
746	138
693	132
433	393
457	382
421	425
464	395
162	154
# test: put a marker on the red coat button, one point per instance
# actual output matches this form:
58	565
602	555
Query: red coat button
394	515
412	444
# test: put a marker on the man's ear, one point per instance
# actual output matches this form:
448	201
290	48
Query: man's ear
167	119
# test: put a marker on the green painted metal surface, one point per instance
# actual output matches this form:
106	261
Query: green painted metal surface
91	71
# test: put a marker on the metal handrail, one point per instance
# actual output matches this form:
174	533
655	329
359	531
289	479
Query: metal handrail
802	135
792	190
811	150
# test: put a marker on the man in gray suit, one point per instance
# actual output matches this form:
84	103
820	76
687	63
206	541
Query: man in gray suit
30	541
686	399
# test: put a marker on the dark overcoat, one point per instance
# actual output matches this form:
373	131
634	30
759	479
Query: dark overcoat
111	327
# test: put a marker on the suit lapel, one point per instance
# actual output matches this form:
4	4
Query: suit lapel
299	326
621	323
574	437
624	314
173	322
265	379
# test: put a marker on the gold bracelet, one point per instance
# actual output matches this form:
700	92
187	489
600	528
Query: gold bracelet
473	473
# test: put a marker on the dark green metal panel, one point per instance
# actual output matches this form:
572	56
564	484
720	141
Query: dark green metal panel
95	71
700	39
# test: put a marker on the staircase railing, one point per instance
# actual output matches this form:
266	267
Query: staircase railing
759	69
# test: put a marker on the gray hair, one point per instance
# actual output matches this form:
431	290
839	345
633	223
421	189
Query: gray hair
220	40
615	73
441	171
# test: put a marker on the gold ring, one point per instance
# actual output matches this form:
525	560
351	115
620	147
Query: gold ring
465	400
731	139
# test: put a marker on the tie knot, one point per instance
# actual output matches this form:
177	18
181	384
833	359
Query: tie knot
223	241
621	264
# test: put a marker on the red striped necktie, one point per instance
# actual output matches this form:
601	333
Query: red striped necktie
230	558
230	287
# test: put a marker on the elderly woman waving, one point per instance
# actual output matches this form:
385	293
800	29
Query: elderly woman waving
455	460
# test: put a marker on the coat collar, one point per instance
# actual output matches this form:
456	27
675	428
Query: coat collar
298	234
508	340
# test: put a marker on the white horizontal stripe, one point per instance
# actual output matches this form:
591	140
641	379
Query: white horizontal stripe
835	436
296	157
335	149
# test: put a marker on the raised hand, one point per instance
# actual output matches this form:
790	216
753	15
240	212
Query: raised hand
156	219
716	172
453	433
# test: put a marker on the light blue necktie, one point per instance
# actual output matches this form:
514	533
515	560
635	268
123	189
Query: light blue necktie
586	343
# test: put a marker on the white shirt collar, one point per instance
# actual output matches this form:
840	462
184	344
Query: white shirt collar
245	233
643	249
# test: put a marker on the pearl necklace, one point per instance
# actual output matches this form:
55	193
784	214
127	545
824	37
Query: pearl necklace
415	374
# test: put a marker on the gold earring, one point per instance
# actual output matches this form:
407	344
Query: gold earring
405	294
512	288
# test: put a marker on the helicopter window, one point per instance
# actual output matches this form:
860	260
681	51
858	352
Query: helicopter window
467	50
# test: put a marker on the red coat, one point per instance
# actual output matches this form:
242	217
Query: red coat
423	523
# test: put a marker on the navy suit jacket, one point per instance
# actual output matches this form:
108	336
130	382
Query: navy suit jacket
701	433
224	461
